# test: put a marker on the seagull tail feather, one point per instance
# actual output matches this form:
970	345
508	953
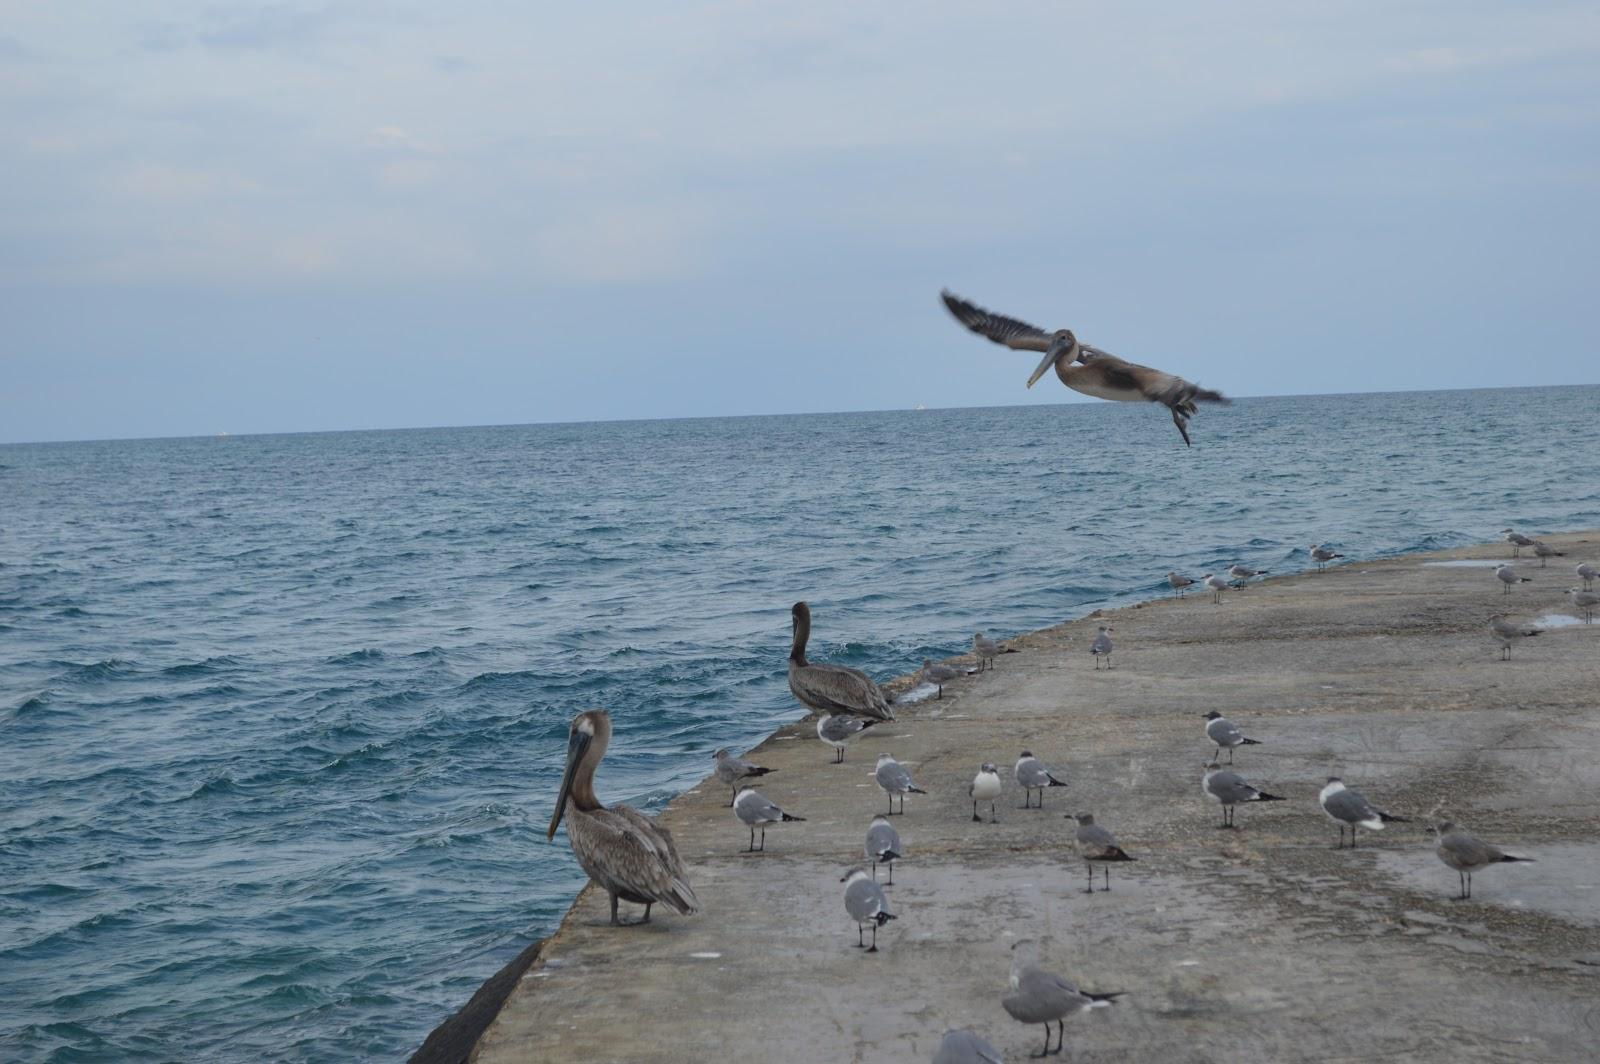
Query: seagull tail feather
1114	853
1054	782
914	789
1102	1001
1511	857
888	855
788	817
1390	819
884	918
1263	796
1251	742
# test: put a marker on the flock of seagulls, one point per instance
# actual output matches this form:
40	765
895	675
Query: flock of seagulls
634	859
1503	628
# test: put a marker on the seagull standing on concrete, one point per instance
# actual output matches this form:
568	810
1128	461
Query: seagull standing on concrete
1517	541
1585	601
731	770
1322	556
1467	853
1032	775
839	729
895	780
1349	808
1242	574
964	1047
1179	583
866	903
1506	632
937	674
1101	647
1096	845
985	788
1229	789
1587	573
1545	552
1217	585
985	650
756	810
1508	576
1226	734
1038	996
883	845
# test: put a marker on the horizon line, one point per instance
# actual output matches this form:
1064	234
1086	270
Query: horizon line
717	417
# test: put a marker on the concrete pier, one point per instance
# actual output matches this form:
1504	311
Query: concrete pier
1259	944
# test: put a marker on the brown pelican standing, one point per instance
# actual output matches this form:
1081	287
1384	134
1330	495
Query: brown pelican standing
1084	368
628	854
831	689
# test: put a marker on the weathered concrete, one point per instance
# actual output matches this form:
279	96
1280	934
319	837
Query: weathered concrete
1258	944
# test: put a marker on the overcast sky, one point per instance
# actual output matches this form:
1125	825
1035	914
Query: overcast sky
252	217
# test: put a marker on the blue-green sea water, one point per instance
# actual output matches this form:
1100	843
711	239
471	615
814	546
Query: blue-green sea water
281	717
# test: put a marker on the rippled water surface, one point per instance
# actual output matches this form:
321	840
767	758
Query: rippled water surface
281	716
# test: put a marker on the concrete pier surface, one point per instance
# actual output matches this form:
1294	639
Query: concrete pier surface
1263	943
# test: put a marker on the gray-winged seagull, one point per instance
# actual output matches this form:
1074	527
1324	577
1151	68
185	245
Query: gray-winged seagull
985	787
883	845
1467	853
756	810
1096	845
1038	996
1032	775
1351	809
866	903
840	729
895	780
1229	789
1226	734
731	770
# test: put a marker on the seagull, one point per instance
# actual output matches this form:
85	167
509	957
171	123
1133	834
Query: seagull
1179	583
842	728
1322	556
1585	601
1038	996
1467	853
985	787
866	903
964	1047
1506	633
1587	574
1096	844
895	780
1229	788
1226	734
1100	374
1032	775
1217	586
756	810
1508	576
1546	552
1347	807
1242	574
986	650
883	845
1517	541
627	854
830	688
937	674
1102	646
731	770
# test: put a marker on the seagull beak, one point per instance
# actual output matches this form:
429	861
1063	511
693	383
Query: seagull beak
577	746
1049	360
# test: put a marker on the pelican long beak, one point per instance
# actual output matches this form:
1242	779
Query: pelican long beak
577	746
1049	360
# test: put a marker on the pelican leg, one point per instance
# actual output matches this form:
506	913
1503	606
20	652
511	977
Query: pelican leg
645	919
614	921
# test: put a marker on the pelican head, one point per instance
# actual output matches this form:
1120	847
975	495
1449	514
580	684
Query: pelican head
1062	345
587	739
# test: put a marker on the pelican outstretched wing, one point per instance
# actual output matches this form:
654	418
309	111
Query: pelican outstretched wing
1017	335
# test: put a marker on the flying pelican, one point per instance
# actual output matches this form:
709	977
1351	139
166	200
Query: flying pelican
626	853
830	689
1084	368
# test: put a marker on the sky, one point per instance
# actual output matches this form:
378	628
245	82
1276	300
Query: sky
276	217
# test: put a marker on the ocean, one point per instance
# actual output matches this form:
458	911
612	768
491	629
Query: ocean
282	717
